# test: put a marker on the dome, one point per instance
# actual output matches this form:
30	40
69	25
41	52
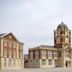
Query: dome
62	25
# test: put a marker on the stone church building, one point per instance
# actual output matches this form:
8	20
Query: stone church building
59	55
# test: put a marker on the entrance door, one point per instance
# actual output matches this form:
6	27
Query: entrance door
66	64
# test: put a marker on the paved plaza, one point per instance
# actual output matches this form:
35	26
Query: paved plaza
41	70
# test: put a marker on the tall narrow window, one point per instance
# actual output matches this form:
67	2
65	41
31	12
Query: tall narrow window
59	54
14	62
69	32
10	44
62	32
5	52
5	62
56	62
21	54
50	54
10	53
62	40
69	40
54	40
50	62
10	63
55	54
21	62
5	43
31	54
36	54
43	53
14	45
43	61
15	53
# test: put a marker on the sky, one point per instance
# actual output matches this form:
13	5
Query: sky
33	21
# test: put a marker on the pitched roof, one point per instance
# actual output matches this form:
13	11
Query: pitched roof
2	35
5	34
42	47
45	46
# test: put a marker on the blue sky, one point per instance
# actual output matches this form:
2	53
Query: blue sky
33	21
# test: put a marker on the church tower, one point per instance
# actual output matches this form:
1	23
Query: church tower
62	36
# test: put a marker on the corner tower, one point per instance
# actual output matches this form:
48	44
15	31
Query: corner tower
62	36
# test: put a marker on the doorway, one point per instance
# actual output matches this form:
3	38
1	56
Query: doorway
66	64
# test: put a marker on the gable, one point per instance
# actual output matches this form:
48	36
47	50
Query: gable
10	37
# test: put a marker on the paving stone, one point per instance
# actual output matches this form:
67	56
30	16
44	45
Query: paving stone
41	70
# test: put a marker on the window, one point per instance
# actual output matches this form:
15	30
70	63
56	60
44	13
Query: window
31	54
59	54
36	61
21	56
10	53
10	63
5	62
69	40
14	45
49	53
58	40
69	32
36	54
54	33
14	62
5	43
21	62
10	44
62	40
43	53
62	32
20	47
54	40
43	61
15	53
55	54
56	62
5	52
50	62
